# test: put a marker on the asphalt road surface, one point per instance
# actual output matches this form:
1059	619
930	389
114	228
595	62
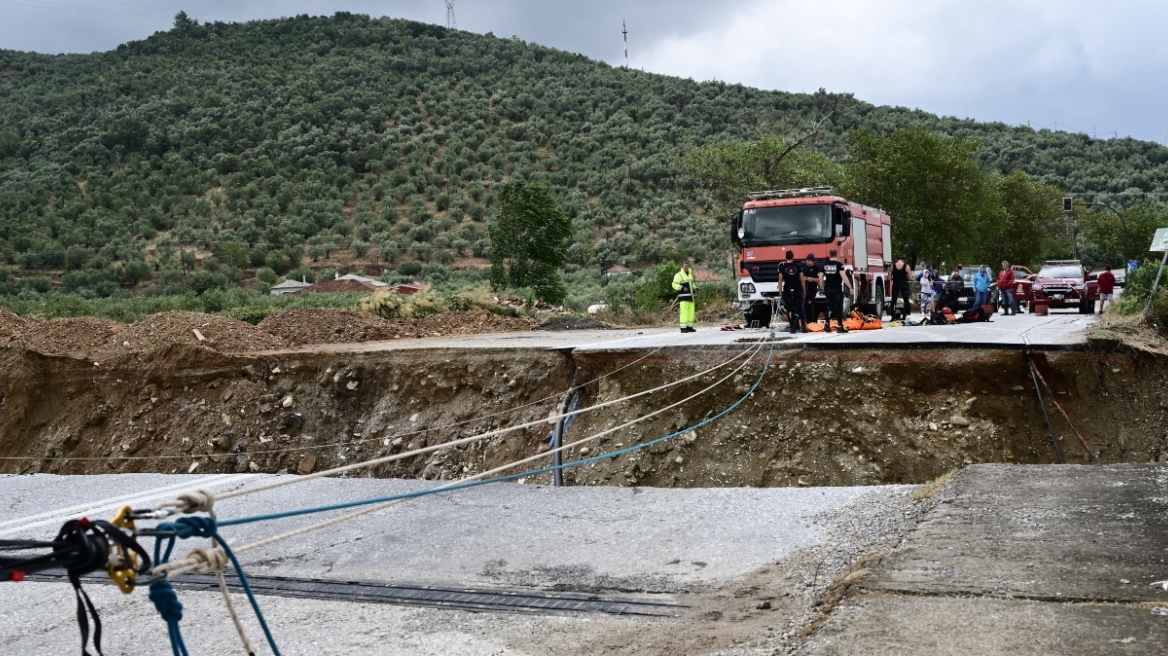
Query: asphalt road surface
642	543
1058	330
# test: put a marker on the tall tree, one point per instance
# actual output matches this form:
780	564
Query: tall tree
529	242
730	170
1030	225
939	199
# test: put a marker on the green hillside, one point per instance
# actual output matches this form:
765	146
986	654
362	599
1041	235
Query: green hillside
209	154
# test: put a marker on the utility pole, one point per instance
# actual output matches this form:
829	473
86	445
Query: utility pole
625	33
450	22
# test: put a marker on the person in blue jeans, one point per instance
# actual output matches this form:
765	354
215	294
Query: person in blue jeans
981	286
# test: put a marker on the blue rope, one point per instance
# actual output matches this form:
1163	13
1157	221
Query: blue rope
171	609
162	593
510	477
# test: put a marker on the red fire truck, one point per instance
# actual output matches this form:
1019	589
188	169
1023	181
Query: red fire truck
814	221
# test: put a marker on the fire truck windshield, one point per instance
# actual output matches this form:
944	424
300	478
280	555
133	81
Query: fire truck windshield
786	224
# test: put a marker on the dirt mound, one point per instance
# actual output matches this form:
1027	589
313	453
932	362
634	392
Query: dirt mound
72	336
309	326
306	326
14	329
165	329
573	323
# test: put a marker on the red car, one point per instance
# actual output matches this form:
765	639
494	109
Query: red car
1065	284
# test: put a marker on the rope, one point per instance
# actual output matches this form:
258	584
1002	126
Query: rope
170	608
474	483
477	477
199	560
1050	392
420	431
201	500
481	436
80	547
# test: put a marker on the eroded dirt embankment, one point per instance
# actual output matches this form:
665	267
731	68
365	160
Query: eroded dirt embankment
819	418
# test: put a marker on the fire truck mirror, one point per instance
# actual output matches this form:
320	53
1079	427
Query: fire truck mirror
841	217
843	227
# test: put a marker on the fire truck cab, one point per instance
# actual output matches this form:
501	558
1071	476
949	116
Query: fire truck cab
810	221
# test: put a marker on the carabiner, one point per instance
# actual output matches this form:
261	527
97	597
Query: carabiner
123	563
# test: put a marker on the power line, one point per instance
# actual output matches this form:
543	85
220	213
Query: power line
36	4
131	4
451	23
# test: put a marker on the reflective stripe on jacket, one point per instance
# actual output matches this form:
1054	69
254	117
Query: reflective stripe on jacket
681	277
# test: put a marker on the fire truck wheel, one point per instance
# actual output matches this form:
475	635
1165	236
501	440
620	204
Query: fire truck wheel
879	299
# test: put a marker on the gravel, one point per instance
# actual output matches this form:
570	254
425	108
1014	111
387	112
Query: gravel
312	326
573	323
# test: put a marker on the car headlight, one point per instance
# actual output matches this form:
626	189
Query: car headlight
746	287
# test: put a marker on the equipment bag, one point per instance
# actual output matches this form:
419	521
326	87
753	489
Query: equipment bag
975	315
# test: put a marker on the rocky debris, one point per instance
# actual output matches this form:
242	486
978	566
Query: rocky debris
323	326
101	339
572	323
80	335
220	333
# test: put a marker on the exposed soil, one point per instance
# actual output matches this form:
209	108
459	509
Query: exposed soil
99	339
818	418
573	323
170	328
300	327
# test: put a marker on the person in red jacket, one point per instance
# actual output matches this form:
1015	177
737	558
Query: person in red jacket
1106	287
1006	288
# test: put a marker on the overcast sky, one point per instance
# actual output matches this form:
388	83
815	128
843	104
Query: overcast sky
1063	64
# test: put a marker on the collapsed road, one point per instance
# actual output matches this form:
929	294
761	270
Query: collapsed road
870	414
748	571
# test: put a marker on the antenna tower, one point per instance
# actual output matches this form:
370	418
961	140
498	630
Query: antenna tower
450	22
625	33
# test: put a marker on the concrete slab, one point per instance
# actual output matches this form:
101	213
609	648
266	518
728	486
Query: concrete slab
577	538
895	625
1057	331
673	541
1020	560
1073	532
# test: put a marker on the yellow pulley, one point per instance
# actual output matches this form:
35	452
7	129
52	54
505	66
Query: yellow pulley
124	567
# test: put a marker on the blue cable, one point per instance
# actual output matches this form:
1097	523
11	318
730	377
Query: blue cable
162	593
509	477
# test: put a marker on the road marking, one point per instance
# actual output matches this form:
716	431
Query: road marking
113	503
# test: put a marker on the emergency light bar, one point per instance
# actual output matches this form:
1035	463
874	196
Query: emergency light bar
791	193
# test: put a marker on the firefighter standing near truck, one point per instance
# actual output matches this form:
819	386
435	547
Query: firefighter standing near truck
813	275
834	281
792	284
683	284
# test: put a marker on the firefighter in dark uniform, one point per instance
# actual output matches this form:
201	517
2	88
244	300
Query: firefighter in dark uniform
813	276
791	283
834	281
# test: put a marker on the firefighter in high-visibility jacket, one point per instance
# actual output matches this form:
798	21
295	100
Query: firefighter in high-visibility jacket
683	284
